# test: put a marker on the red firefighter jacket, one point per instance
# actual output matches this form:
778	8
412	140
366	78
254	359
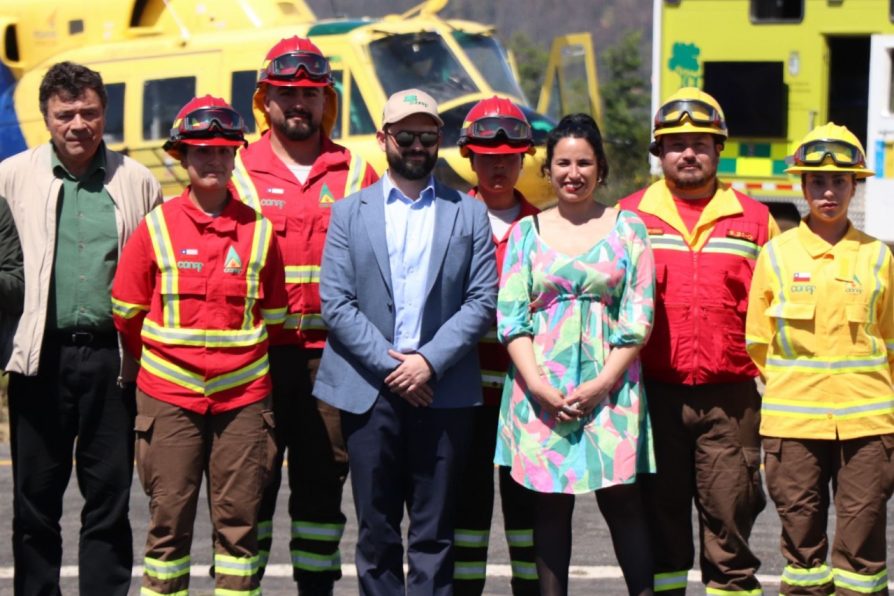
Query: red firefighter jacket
492	355
300	216
195	298
702	280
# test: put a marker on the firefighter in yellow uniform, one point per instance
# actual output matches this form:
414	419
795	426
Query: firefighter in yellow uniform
820	327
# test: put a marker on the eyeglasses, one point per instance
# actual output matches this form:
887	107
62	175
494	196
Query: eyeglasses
699	113
814	153
207	120
288	66
405	138
489	128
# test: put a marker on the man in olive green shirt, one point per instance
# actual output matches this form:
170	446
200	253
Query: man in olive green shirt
70	389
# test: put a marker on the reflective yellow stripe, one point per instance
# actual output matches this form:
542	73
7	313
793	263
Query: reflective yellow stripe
127	310
469	570
316	562
302	274
668	242
245	188
311	322
829	366
315	531
355	174
209	338
265	529
194	382
167	265
144	591
166	570
524	570
274	316
813	576
781	326
471	538
673	580
520	538
260	244
721	592
864	584
224	592
842	411
732	246
238	566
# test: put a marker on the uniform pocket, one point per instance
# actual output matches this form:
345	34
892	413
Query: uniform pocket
143	430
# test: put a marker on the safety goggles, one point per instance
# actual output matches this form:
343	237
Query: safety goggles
405	138
489	128
288	66
814	153
698	112
224	120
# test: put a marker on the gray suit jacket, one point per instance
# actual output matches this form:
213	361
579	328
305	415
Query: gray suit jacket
358	303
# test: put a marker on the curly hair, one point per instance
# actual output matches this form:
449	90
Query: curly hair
69	81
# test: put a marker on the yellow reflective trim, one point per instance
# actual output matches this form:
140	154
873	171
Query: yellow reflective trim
224	592
260	244
858	582
194	382
166	570
127	310
812	576
312	322
829	365
235	566
274	316
302	274
672	580
720	592
209	338
167	264
144	591
245	188
355	174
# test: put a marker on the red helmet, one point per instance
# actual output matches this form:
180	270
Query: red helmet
496	125
206	121
295	62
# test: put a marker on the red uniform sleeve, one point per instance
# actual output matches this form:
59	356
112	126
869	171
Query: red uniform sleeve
275	302
133	287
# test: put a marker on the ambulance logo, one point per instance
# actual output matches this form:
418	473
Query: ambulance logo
326	198
233	264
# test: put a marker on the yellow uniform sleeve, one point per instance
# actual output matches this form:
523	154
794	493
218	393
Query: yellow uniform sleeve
772	228
759	326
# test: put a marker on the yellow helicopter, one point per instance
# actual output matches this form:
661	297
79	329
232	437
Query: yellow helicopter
155	55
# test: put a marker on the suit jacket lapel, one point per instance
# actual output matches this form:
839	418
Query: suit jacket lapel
447	209
372	210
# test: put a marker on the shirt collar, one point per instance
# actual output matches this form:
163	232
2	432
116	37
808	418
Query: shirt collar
816	246
393	193
97	165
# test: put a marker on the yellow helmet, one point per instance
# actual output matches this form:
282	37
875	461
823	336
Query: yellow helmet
690	110
830	148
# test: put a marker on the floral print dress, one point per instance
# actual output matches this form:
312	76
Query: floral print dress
576	309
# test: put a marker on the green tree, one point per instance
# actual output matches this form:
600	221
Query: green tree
626	98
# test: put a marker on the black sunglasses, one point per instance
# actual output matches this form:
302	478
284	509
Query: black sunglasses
405	138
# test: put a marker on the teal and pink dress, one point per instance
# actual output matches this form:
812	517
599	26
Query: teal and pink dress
576	309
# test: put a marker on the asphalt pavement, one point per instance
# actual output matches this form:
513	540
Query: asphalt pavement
594	568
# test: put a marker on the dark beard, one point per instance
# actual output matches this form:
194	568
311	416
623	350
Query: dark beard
412	171
300	131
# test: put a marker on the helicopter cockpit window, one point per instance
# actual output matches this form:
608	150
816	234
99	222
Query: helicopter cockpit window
162	99
359	120
420	60
114	127
489	57
242	90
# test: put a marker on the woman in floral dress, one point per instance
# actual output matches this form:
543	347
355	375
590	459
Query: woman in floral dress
575	307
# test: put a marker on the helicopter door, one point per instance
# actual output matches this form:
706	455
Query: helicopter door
880	139
571	84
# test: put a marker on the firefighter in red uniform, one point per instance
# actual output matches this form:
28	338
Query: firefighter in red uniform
495	137
702	396
198	290
293	174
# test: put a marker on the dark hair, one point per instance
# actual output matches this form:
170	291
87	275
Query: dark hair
579	126
69	81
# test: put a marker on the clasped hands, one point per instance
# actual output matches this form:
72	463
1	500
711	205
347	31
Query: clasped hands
578	404
410	379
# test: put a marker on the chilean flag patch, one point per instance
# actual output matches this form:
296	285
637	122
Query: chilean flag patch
801	276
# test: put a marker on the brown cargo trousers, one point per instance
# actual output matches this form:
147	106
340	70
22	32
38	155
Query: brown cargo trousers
861	472
707	450
175	448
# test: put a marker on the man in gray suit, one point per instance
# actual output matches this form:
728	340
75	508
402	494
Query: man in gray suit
408	283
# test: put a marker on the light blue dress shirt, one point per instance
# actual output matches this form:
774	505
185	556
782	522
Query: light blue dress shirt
409	230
